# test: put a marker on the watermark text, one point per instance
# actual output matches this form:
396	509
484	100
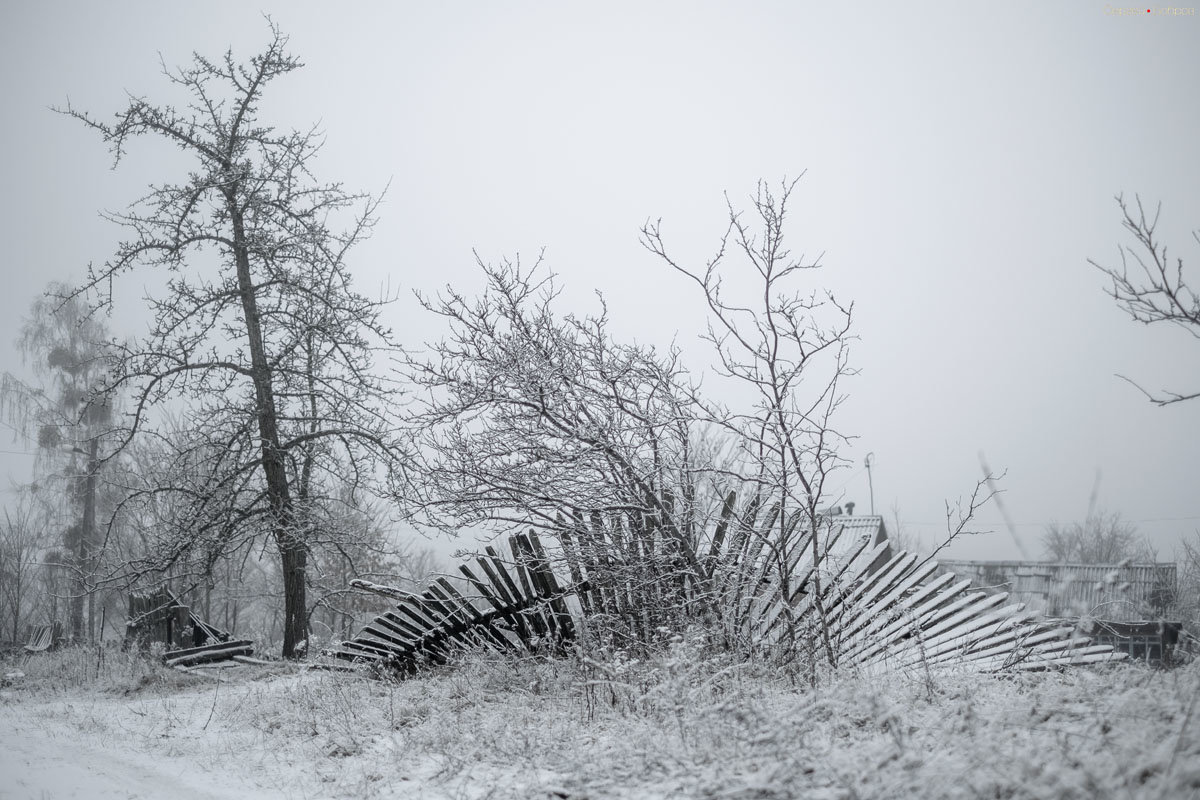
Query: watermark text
1142	11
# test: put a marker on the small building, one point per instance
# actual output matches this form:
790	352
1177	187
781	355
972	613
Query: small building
851	533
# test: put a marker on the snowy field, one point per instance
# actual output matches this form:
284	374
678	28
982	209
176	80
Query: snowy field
83	725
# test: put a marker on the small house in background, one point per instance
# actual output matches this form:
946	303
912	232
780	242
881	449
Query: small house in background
852	531
1124	605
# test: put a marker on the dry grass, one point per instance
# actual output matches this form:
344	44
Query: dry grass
101	668
679	725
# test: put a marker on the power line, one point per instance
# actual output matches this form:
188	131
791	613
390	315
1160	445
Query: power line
1052	522
847	482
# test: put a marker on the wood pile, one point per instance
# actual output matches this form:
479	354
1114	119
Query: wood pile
207	654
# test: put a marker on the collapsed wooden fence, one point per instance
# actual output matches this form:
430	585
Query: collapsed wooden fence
159	617
878	607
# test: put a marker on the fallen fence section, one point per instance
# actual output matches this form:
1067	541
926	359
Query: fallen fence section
494	604
879	608
159	616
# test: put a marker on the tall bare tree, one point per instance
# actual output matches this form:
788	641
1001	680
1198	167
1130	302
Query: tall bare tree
1149	286
259	338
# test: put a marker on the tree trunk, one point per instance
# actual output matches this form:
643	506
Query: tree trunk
76	590
87	541
295	621
19	588
287	536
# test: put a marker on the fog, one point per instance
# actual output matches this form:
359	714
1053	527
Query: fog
959	170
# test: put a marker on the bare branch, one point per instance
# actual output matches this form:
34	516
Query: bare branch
1149	288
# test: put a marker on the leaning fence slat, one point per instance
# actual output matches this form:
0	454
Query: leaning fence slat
883	612
718	537
531	586
546	573
463	621
865	608
495	593
917	616
957	641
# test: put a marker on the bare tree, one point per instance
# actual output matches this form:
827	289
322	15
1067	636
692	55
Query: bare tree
529	419
1149	286
790	347
1103	538
358	545
23	540
265	347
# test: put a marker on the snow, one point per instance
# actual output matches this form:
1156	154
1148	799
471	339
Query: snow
664	727
54	762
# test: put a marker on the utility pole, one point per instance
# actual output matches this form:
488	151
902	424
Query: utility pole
867	461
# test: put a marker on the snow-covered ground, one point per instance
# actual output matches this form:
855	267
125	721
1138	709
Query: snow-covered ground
674	728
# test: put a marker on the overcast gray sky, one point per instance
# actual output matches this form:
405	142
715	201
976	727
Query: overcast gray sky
961	162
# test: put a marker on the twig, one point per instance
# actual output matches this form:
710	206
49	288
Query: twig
213	708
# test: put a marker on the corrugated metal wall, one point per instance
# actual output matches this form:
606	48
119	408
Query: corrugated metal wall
1105	591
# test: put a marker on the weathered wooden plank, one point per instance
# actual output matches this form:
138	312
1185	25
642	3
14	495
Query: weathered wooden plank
975	624
802	599
881	612
220	651
919	611
474	615
718	537
1096	654
531	588
542	564
388	636
867	607
363	650
572	557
